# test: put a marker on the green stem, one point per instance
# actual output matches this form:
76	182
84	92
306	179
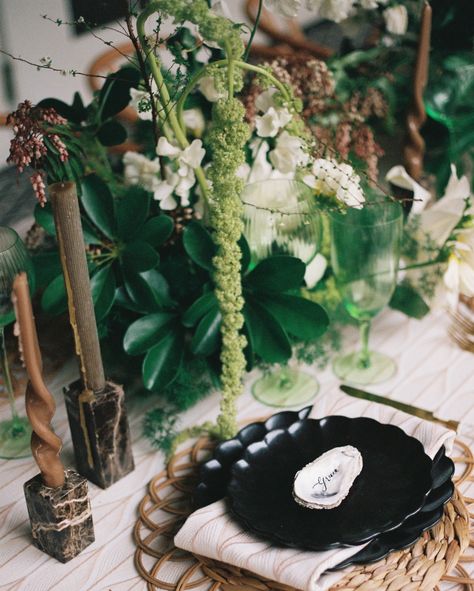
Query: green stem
364	356
254	30
6	373
163	92
251	68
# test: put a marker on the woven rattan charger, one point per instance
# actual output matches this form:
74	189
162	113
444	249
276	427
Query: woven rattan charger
437	556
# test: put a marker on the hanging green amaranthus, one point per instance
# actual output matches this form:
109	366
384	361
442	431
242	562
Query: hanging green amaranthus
227	140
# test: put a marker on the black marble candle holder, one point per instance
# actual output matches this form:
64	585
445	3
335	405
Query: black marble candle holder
100	433
61	518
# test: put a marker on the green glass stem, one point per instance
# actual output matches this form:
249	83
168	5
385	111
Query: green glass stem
364	356
6	373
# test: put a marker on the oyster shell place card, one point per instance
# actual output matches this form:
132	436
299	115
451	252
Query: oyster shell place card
326	481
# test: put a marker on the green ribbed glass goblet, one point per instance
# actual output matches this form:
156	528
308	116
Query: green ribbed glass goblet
15	433
365	252
281	218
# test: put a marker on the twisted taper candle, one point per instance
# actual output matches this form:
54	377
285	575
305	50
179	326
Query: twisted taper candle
40	405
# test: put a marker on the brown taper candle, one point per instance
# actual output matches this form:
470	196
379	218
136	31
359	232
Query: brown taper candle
76	276
414	149
40	405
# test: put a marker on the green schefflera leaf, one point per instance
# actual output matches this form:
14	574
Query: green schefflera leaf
132	211
112	133
199	308
157	230
163	362
207	336
298	316
146	332
103	288
139	256
115	93
199	245
44	217
98	203
277	273
267	337
54	299
245	250
408	300
148	291
47	266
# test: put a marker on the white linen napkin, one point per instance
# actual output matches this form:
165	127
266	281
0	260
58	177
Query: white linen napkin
213	533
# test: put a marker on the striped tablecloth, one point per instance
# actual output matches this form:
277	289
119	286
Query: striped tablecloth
432	373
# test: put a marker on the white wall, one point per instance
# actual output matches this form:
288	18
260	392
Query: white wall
32	37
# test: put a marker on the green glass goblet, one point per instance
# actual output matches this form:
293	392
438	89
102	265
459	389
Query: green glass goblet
15	433
281	218
365	252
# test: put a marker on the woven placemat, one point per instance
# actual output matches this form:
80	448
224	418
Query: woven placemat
437	556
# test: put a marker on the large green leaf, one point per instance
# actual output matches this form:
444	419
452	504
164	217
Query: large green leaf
112	133
277	273
199	308
266	335
54	299
45	218
146	332
149	291
206	338
115	93
300	317
132	211
163	362
75	113
157	230
98	203
139	256
245	250
103	289
199	245
47	266
408	300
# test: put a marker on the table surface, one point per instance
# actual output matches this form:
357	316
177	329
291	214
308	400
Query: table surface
432	373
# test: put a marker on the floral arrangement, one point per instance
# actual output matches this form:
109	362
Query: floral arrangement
176	299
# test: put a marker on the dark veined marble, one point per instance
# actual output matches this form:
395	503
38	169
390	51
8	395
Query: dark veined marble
100	434
61	518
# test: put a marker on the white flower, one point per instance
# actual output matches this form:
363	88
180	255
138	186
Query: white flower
140	100
399	177
140	170
333	10
203	54
208	88
270	123
369	4
287	8
261	168
289	153
194	121
264	100
396	19
459	276
442	217
221	8
315	270
336	179
183	179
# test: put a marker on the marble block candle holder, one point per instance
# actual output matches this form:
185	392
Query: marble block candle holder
61	518
100	433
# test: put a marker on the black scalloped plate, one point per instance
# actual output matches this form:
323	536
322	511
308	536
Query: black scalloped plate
393	485
410	530
214	475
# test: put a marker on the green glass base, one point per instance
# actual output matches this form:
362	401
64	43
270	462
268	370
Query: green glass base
349	369
15	438
285	388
